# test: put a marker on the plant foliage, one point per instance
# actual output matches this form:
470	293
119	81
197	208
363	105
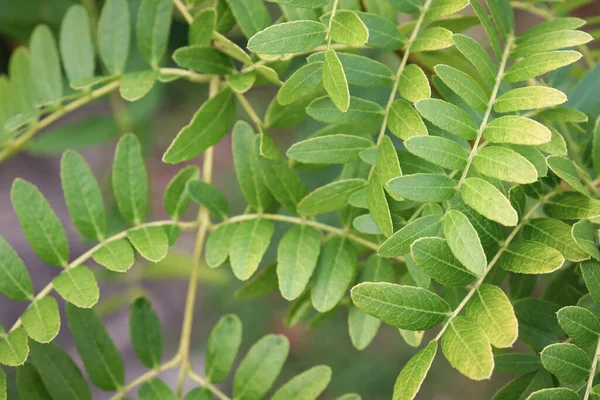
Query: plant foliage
467	174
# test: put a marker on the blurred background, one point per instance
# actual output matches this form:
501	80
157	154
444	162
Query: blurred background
156	119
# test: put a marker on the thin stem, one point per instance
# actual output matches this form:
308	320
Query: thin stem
301	221
256	120
189	75
184	11
203	224
174	362
590	382
88	254
403	63
333	10
493	262
206	384
17	144
488	111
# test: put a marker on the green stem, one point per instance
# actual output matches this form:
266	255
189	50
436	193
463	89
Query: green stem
493	262
12	147
256	120
206	384
590	382
333	10
88	254
488	111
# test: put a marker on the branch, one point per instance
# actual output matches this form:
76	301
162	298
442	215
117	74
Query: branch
88	254
590	382
206	384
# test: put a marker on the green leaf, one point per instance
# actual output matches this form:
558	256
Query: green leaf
330	197
433	38
529	257
449	117
414	372
423	187
283	183
152	29
492	311
263	283
330	149
334	273
405	307
387	164
378	205
246	159
413	84
155	389
553	40
591	276
61	376
488	27
434	257
580	324
208	126
556	145
584	234
39	223
114	35
529	98
464	86
572	205
116	255
207	60
241	83
516	130
517	363
567	171
504	164
135	85
302	3
468	349
29	383
198	393
366	224
464	242
382	33
444	8
360	71
151	242
78	286
45	65
347	28
304	80
177	197
539	64
145	332
484	198
441	151
102	360
334	81
399	243
554	394
202	27
359	112
83	196
567	362
307	385
288	37
477	56
297	256
404	122
362	327
129	179
223	345
15	282
13	347
248	246
210	197
555	234
251	15
76	48
217	245
349	396
41	320
261	366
